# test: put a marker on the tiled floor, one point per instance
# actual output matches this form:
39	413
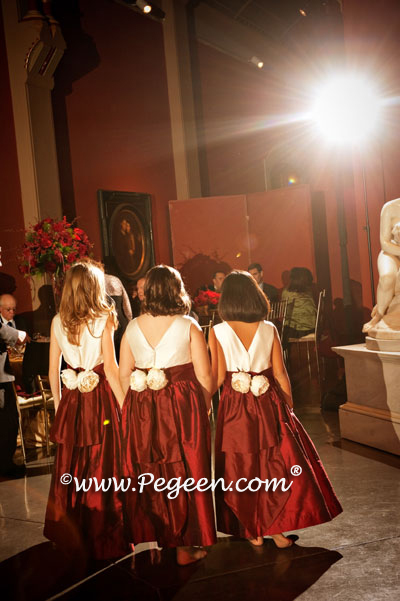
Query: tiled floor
352	558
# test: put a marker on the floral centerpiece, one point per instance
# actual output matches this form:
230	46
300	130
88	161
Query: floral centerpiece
207	299
52	247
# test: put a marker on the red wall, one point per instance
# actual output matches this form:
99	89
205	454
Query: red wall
373	45
116	115
273	228
12	219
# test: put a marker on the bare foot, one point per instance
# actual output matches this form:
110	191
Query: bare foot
375	318
281	541
187	555
256	542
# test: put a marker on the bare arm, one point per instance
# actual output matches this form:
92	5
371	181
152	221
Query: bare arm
201	362
126	364
110	362
54	368
218	363
387	213
279	370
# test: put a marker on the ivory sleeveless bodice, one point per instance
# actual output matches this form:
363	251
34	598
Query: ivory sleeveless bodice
237	358
173	348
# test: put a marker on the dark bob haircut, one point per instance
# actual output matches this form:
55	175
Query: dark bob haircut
164	292
301	279
242	299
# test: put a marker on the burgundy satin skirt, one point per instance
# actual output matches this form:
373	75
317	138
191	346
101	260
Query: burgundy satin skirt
87	430
166	433
260	437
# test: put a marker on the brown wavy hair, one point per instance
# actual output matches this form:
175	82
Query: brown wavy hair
84	299
242	299
164	292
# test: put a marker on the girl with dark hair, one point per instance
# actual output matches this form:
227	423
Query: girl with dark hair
301	312
166	375
258	437
87	422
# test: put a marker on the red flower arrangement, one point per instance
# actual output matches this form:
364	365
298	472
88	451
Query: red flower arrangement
51	247
207	297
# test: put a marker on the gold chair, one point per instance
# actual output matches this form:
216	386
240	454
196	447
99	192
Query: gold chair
277	314
314	338
206	328
48	402
24	404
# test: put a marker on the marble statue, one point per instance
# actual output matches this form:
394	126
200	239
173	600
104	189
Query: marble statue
385	322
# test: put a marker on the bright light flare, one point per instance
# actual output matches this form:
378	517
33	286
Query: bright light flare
347	109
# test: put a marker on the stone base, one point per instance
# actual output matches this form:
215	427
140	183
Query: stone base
371	415
378	344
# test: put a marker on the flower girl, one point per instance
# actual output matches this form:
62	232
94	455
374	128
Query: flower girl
258	437
86	426
166	375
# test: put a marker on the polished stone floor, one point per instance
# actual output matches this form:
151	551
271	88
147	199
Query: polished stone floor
352	558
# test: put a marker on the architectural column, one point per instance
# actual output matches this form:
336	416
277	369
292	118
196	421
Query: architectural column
181	101
35	46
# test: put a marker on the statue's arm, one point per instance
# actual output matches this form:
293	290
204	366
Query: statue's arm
386	232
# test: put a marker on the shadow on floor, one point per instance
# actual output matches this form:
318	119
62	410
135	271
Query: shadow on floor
232	570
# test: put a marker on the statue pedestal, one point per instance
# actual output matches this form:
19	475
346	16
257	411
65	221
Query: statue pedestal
371	415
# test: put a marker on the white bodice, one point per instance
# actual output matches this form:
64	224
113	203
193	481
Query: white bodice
88	354
237	358
173	348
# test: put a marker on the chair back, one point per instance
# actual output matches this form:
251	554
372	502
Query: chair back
278	313
206	329
320	315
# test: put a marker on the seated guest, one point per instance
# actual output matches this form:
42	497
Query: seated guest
270	291
8	309
9	336
302	312
217	279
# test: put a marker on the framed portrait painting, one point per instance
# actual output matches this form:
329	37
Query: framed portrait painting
126	232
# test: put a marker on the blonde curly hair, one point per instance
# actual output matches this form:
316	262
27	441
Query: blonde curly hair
84	299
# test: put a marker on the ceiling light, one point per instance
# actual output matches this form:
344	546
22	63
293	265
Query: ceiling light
144	6
257	62
302	12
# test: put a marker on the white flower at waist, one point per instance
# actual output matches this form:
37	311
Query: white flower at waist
84	381
259	385
243	382
155	379
138	380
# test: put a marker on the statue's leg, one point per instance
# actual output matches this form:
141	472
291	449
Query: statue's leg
388	267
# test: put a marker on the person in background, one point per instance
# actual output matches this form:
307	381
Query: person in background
301	312
217	279
115	289
8	310
9	336
270	291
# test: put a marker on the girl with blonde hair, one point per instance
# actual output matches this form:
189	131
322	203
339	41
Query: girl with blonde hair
87	421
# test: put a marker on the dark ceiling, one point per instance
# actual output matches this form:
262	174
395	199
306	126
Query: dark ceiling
278	18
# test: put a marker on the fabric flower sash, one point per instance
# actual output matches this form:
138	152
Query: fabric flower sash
244	382
155	379
84	381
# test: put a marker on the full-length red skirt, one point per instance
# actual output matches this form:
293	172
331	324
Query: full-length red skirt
260	437
87	430
166	434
